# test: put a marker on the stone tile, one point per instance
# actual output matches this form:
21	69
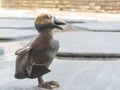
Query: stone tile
16	23
78	75
1	50
78	20
98	26
16	34
89	42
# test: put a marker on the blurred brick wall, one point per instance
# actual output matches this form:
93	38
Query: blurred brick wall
111	6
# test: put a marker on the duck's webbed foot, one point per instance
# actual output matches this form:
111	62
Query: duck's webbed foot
49	85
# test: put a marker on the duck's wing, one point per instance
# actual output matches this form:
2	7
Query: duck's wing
24	50
29	46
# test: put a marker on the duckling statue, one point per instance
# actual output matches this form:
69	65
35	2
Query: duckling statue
34	59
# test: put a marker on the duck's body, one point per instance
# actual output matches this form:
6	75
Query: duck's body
34	59
44	48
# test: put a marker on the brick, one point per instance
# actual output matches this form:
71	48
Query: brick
70	5
49	1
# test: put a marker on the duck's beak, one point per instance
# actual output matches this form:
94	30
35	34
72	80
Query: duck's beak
58	23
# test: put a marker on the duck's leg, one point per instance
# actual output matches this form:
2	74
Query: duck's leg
40	80
47	85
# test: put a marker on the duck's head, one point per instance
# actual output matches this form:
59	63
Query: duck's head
47	22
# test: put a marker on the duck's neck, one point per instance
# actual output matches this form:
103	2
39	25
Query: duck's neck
47	34
44	38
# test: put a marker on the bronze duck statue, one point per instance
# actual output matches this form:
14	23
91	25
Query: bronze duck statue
34	59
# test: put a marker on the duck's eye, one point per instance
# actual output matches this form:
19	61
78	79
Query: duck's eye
47	16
